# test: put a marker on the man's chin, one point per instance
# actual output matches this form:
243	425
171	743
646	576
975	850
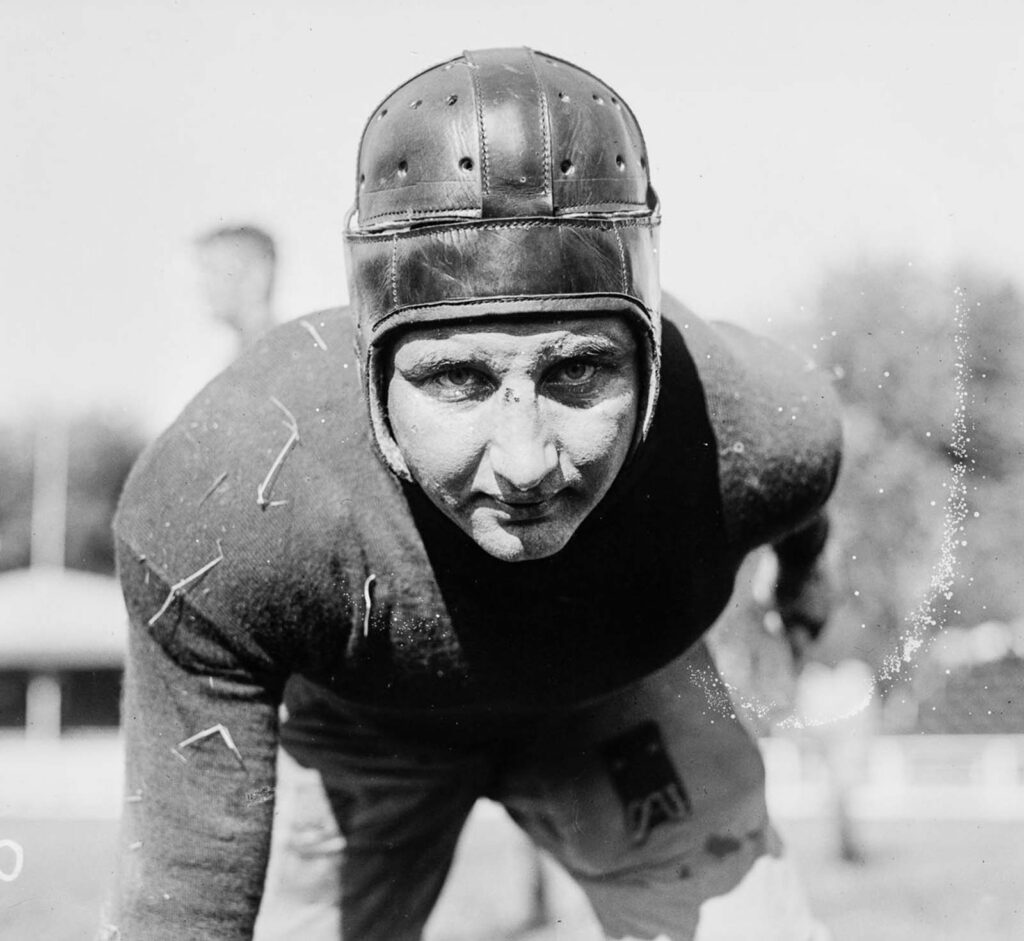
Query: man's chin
521	542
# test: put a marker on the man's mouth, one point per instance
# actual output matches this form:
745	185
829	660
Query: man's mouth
525	509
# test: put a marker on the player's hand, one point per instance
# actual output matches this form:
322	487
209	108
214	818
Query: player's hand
804	597
797	599
804	600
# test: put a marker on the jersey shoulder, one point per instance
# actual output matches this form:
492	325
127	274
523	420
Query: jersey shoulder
776	423
266	472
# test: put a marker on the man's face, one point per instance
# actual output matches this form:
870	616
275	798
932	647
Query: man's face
235	280
515	431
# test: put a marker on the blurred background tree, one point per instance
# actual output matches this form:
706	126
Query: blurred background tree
100	452
101	455
68	471
16	457
889	334
892	335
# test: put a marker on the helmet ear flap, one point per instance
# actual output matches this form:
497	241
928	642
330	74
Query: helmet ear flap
374	379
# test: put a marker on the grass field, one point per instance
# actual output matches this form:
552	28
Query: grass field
57	897
934	880
923	881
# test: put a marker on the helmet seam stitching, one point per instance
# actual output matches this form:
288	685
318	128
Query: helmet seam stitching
619	202
394	270
425	212
447	209
485	180
622	258
489	301
530	224
543	101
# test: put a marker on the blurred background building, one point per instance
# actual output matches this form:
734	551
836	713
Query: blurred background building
62	619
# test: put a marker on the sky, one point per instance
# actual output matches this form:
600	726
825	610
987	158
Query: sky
784	139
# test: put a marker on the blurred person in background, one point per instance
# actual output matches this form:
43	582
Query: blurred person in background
834	704
237	267
471	534
838	713
231	272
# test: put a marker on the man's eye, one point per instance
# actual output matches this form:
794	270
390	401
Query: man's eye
459	378
456	382
575	371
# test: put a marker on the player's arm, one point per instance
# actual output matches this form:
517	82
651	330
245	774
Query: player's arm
200	730
777	421
803	591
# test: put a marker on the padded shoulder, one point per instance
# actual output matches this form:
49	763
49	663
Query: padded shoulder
776	421
269	464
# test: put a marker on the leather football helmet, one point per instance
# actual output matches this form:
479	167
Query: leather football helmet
505	182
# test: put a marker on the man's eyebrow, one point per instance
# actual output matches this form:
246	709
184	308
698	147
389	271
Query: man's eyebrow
435	359
591	346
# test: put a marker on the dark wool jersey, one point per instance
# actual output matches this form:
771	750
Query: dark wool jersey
744	447
262	540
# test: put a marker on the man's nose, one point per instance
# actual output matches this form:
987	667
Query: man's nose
522	450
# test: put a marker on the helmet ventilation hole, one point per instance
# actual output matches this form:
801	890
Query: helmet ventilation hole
466	163
362	180
620	163
403	168
415	104
452	99
562	96
567	167
382	115
598	98
643	163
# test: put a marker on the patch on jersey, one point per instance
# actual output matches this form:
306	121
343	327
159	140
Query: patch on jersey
645	780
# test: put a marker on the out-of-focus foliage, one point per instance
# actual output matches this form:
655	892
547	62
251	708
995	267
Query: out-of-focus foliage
893	335
889	333
888	515
16	448
100	453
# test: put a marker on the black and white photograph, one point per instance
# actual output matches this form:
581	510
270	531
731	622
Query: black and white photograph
511	472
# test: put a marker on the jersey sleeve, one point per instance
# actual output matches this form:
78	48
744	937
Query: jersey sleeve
200	727
775	488
238	562
776	421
